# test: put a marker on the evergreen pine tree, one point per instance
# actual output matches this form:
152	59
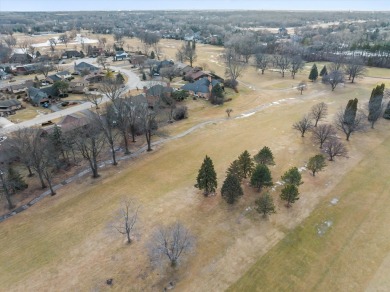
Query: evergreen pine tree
15	180
375	104
246	163
143	76
207	178
292	176
119	78
265	205
231	189
265	156
324	71
289	194
152	55
350	111
261	177
313	73
386	114
235	170
316	163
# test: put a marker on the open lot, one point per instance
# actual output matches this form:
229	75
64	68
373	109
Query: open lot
65	241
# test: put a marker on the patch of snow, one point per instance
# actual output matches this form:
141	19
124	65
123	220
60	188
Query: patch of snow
279	183
323	227
302	168
334	201
245	116
77	41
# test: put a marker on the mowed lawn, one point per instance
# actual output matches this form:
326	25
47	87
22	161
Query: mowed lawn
352	255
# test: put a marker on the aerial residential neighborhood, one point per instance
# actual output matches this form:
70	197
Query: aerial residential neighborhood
194	146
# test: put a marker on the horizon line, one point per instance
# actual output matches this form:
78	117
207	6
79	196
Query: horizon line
226	9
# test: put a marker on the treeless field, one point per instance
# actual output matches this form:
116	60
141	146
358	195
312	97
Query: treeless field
65	241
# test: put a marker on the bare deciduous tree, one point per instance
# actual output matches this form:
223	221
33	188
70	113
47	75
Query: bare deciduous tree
93	98
262	61
63	38
334	78
44	68
234	66
112	88
128	216
4	189
171	242
319	112
355	68
322	133
148	122
348	124
283	62
303	125
108	125
10	41
25	45
90	142
102	61
20	143
302	86
296	64
334	147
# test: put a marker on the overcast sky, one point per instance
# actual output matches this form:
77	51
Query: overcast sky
77	5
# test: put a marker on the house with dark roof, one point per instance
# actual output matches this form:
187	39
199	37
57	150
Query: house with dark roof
21	58
20	88
37	96
156	93
58	76
8	107
72	54
83	66
195	74
26	69
201	87
182	68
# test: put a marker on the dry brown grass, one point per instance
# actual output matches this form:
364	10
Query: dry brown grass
64	240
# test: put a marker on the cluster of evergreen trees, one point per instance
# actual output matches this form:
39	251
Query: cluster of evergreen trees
257	171
313	75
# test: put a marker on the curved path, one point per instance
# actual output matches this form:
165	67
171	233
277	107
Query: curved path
143	149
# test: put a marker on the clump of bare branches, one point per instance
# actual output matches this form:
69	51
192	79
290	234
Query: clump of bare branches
127	218
170	243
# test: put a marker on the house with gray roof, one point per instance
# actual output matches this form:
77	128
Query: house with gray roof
58	76
37	96
201	87
83	66
8	107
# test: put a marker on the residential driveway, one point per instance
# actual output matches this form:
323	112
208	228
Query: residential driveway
132	83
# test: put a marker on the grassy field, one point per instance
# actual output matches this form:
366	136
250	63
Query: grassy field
353	253
65	241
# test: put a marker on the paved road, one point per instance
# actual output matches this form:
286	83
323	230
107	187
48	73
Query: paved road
132	83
